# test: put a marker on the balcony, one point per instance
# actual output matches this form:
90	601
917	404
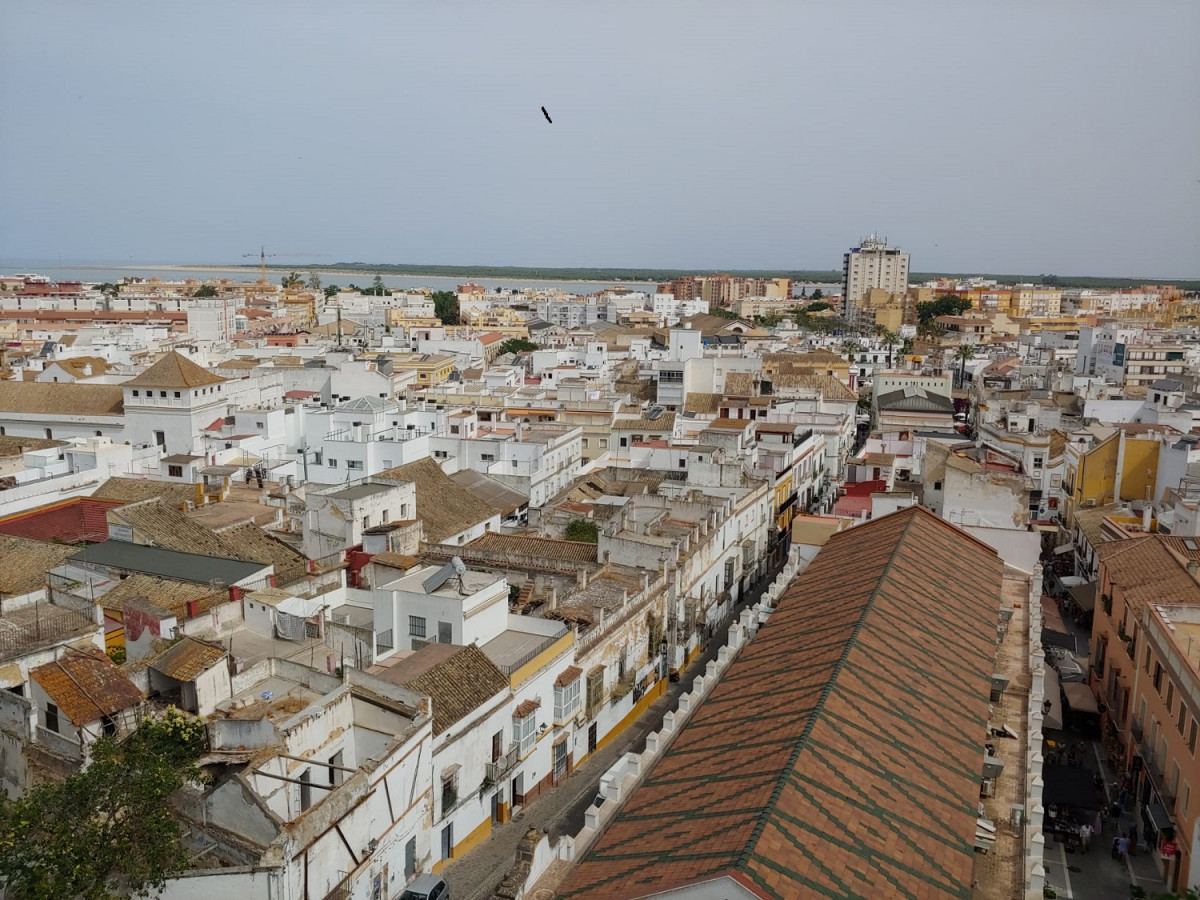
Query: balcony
495	770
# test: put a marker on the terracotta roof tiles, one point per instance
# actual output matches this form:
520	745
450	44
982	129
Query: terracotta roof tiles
459	685
86	685
174	371
839	755
187	659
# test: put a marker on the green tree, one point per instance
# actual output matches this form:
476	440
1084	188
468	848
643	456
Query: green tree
109	289
582	530
950	305
291	280
517	345
851	349
331	291
964	353
107	830
817	295
890	340
377	286
818	306
445	306
205	290
314	281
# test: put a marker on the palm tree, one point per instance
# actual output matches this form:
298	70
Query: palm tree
890	340
850	348
964	353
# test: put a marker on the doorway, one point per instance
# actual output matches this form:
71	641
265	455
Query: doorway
592	738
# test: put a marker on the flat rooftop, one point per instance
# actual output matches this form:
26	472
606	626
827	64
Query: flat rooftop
275	697
359	491
191	567
511	647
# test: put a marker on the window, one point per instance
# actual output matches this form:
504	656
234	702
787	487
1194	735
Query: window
336	775
1182	720
162	394
1158	678
177	395
49	434
175	471
497	745
384	518
354	464
366	522
135	393
1192	737
331	462
1185	796
445	633
449	789
624	442
52	718
306	799
487	457
603	443
937	485
416	626
1170	696
729	572
525	733
566	701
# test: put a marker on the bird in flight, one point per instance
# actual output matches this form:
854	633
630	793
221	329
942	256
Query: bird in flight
547	115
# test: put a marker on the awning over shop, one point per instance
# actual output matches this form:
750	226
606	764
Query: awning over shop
1080	698
1071	786
1053	715
1084	596
1063	548
1156	815
1060	639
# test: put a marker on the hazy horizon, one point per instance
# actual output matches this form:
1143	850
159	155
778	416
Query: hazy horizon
1020	138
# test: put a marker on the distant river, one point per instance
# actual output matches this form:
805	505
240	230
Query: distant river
99	272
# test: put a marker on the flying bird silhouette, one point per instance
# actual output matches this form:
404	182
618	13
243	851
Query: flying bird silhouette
547	115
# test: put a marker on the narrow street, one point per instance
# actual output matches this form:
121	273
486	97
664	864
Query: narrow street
562	810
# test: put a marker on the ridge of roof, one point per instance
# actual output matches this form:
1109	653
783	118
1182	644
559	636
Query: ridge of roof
174	371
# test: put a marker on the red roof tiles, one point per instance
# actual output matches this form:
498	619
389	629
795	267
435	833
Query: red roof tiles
840	753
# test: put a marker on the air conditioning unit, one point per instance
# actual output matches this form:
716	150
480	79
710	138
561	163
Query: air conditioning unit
987	788
1090	502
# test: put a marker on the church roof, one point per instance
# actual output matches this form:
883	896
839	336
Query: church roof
174	371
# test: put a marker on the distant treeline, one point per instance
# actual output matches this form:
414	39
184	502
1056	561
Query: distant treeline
661	275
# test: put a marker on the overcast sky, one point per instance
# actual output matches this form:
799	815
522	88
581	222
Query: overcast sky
1014	137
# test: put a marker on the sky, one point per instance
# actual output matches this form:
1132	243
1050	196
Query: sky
1016	137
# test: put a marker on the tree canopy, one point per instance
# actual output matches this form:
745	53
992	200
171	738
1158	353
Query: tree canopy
517	345
291	280
950	305
582	530
107	831
331	291
445	306
205	290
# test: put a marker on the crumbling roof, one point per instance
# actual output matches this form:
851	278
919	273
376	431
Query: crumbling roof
536	547
187	659
86	685
811	769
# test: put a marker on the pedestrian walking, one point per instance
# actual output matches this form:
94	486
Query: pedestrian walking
1098	825
1122	848
1085	837
1116	842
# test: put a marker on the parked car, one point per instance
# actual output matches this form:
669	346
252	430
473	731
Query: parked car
427	887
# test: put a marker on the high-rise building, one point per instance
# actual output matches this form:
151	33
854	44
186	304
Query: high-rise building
872	265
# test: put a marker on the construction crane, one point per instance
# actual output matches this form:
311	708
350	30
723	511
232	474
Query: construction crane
262	255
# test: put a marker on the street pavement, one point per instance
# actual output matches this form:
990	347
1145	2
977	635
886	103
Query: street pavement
561	810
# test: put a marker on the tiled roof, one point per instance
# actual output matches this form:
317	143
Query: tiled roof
86	685
526	708
915	400
569	675
174	371
539	547
739	383
254	544
61	398
840	753
26	563
459	685
163	525
1058	443
443	507
1146	571
702	404
185	660
172	596
76	365
829	386
395	560
664	423
130	490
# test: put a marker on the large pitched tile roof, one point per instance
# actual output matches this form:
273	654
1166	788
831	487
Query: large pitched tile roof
62	398
458	684
174	371
444	507
185	660
840	754
1147	571
26	563
537	547
254	544
165	593
130	490
86	685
